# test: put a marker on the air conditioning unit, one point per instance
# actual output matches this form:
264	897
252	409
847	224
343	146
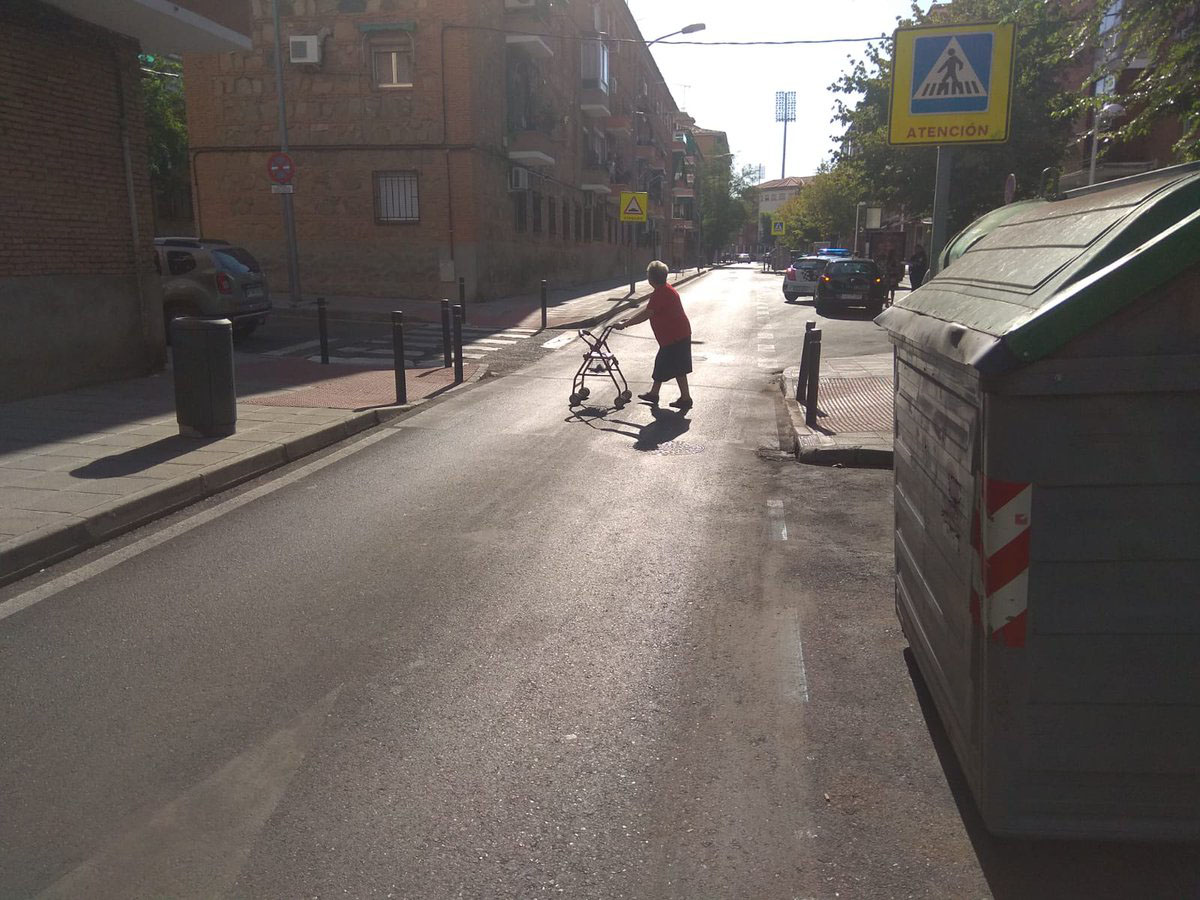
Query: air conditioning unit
518	179
304	48
521	4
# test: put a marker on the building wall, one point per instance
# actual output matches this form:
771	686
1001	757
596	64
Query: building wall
452	129
78	294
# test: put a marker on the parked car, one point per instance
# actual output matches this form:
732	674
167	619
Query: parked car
211	279
743	257
851	282
801	276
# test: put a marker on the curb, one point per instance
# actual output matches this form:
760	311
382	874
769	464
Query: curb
39	549
818	449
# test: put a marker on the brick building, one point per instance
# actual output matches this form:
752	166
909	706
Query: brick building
78	288
483	140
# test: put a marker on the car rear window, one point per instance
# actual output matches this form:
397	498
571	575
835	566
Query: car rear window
235	261
852	268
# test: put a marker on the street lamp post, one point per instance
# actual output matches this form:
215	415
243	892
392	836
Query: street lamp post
289	215
687	29
1104	117
858	208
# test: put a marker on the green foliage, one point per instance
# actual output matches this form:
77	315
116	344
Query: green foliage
166	120
724	208
822	210
1167	34
902	177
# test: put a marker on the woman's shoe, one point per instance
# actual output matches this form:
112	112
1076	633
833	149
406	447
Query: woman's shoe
681	404
650	398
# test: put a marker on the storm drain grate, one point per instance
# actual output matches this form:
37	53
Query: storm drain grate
850	405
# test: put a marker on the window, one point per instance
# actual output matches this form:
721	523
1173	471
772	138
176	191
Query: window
392	62
180	262
396	197
520	209
552	217
578	222
537	212
593	63
566	211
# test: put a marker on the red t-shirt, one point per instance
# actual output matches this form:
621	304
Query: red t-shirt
667	318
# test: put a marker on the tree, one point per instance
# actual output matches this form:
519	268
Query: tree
166	125
902	177
724	208
823	209
1167	34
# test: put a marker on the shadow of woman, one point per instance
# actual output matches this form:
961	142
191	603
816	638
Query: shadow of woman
666	426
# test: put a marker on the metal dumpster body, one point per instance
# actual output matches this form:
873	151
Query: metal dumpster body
1047	494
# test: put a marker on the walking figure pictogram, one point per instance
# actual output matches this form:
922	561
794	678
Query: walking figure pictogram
950	83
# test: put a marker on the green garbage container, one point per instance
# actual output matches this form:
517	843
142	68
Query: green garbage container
202	360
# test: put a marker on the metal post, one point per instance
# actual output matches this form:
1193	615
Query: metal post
323	329
398	357
805	357
543	304
783	168
857	209
462	296
447	352
458	345
941	203
289	213
814	379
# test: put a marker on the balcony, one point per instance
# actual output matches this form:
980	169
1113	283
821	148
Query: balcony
530	44
619	124
532	148
680	190
539	8
648	152
593	102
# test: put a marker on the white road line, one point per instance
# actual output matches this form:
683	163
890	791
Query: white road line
23	601
766	348
284	351
500	341
795	688
561	341
778	522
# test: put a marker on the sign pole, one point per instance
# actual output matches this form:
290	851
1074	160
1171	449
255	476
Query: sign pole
941	200
289	216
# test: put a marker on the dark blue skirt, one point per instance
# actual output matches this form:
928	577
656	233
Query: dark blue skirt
673	360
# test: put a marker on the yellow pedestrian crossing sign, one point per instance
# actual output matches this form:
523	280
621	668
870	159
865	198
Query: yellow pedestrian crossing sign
778	228
634	206
952	84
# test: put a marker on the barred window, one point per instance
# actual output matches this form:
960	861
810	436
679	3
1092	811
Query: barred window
537	212
396	197
566	219
520	210
552	217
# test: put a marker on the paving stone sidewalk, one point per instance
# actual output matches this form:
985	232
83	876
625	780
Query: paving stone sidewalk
854	412
576	307
80	467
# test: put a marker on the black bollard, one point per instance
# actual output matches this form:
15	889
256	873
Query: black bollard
543	304
398	357
323	330
805	359
814	379
447	351
462	296
458	347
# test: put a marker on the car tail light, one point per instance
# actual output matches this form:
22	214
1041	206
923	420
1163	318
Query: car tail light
826	278
878	280
224	283
791	274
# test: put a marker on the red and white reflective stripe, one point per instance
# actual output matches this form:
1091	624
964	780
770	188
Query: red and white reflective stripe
1004	541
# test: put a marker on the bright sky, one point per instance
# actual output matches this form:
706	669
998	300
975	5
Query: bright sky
732	89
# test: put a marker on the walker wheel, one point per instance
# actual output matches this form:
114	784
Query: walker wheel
584	393
626	396
573	400
619	402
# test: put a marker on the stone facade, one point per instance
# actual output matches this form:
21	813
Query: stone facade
491	89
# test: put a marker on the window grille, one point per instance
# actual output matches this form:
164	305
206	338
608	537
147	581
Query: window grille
396	197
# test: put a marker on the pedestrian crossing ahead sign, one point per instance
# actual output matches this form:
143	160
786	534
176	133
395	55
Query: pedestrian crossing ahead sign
634	206
952	84
778	228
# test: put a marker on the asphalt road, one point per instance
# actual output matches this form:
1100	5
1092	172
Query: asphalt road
498	649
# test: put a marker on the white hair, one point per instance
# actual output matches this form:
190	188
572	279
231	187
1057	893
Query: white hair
657	272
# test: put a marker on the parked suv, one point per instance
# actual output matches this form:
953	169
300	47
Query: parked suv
802	274
211	279
851	282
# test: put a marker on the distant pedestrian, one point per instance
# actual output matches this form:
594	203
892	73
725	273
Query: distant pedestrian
673	332
918	265
893	272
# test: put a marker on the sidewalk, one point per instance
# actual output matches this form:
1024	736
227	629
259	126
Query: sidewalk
576	307
81	467
854	413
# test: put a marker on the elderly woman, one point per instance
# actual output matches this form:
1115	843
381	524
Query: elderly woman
673	332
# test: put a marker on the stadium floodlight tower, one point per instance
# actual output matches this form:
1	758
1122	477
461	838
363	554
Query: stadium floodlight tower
785	111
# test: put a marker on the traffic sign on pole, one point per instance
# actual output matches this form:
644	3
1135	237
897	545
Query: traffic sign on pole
952	84
635	206
778	228
280	168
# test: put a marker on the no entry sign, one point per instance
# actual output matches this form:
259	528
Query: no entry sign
280	168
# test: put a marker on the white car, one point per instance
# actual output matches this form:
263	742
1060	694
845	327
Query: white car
801	276
743	257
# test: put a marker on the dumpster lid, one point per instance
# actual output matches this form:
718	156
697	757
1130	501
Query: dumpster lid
1036	274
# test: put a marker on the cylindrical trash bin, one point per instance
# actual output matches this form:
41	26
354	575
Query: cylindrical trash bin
205	397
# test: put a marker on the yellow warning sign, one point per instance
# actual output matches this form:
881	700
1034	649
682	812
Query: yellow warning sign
634	206
952	84
778	228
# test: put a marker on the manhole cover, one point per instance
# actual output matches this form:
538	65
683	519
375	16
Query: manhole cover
672	448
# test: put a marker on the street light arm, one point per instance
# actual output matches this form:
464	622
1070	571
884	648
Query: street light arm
687	29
